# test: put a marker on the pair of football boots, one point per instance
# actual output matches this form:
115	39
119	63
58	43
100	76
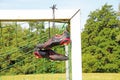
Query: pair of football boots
45	51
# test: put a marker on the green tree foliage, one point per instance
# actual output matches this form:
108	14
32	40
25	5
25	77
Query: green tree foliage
17	45
101	41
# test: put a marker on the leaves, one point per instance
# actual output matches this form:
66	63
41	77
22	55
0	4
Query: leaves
17	45
100	41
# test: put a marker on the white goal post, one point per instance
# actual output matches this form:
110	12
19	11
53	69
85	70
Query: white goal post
72	16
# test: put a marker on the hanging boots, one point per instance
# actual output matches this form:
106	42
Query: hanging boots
63	39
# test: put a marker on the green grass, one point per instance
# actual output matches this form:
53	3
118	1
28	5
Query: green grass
35	77
101	76
86	76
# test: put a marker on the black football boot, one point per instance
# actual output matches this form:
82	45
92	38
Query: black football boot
50	54
63	39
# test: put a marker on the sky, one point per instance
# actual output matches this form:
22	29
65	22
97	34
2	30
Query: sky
85	6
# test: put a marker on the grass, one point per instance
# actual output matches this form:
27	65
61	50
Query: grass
35	77
101	76
86	76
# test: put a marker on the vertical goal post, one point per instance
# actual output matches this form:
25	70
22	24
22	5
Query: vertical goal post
63	16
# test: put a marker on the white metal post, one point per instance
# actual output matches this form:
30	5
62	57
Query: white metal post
76	47
67	63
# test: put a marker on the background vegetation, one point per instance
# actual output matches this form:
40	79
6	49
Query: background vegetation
17	44
101	41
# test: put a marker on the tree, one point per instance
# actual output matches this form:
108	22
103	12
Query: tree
100	41
17	45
